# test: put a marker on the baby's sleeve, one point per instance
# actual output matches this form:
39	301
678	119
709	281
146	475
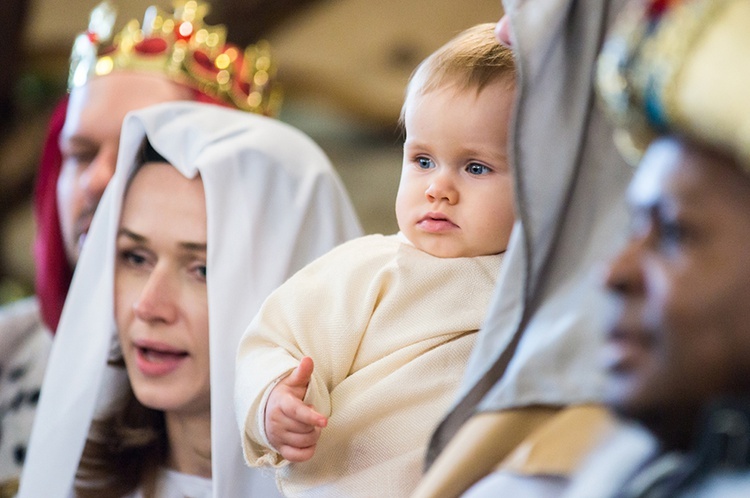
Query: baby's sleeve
268	352
319	313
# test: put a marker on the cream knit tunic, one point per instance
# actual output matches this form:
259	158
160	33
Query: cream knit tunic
390	329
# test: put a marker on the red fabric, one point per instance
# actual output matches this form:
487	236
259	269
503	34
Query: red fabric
53	272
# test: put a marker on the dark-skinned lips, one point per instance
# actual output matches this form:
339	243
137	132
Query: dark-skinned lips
624	347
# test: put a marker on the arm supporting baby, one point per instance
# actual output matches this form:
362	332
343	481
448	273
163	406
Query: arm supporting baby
292	426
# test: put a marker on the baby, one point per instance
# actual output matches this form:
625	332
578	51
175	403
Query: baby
389	320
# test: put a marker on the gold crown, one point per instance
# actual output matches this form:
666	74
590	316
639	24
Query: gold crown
184	49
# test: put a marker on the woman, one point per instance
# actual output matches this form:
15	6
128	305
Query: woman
272	203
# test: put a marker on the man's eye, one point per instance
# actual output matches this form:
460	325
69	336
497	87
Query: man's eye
425	163
478	169
80	158
671	233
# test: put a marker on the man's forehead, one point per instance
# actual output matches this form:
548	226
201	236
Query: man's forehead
96	110
677	170
658	163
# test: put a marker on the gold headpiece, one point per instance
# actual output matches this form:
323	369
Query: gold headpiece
183	48
679	66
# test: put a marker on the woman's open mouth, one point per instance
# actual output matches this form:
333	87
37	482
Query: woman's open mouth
157	359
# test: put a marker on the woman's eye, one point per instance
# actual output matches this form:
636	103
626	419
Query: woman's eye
425	163
133	258
477	169
201	270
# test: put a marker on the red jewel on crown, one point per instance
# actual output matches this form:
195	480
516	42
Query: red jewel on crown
204	61
152	46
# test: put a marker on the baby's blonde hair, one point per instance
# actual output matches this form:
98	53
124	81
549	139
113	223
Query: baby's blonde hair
470	61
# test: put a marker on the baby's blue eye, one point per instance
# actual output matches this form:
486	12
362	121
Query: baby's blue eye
425	163
477	169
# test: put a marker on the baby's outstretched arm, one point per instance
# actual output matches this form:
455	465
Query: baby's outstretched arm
292	427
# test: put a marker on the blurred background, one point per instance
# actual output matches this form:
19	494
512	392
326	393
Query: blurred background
343	64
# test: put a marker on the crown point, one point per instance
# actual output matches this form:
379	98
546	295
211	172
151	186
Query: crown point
222	61
261	78
232	53
222	77
254	99
167	26
184	30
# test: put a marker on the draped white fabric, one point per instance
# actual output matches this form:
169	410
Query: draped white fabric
273	204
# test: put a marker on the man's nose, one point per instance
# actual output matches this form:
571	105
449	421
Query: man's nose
624	274
98	173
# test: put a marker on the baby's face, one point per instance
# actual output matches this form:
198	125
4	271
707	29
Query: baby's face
455	198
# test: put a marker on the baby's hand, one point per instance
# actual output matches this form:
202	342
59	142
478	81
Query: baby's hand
292	427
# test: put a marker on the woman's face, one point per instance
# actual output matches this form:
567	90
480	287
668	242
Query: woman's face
161	303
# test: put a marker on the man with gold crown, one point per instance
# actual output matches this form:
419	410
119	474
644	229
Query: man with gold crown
675	77
171	56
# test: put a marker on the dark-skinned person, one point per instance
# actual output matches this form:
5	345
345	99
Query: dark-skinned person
675	77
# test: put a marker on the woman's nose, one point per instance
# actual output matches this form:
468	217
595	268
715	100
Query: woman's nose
156	301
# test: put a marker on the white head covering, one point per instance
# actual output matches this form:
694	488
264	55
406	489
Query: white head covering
273	204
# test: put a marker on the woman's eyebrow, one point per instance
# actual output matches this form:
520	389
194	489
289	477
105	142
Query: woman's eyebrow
193	246
124	232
